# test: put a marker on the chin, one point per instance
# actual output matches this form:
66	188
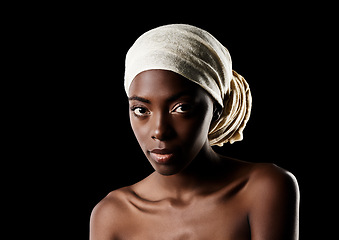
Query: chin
167	170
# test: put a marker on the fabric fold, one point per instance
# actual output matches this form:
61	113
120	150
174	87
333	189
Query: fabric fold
235	114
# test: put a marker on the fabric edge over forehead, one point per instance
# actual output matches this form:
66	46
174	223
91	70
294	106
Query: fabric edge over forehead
209	89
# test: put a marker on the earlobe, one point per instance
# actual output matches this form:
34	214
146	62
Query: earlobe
216	112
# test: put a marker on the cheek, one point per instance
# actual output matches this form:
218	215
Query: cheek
193	132
139	130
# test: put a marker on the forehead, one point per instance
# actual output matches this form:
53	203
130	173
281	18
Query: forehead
161	83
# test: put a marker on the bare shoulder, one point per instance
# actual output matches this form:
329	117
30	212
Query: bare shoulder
273	203
271	178
108	215
264	175
112	203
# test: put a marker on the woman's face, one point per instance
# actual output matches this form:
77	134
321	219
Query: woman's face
170	117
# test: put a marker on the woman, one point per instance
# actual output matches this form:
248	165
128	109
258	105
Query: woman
184	98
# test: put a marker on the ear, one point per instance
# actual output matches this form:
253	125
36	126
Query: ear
217	109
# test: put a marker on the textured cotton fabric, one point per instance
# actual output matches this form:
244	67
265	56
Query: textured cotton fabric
198	56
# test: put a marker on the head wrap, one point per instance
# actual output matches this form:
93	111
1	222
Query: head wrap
202	59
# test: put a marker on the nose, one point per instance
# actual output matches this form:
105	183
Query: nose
162	127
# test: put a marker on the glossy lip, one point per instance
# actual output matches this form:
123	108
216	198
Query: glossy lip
162	156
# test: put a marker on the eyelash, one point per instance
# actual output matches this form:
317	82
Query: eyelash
175	108
133	108
183	105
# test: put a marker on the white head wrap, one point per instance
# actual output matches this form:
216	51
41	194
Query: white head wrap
202	59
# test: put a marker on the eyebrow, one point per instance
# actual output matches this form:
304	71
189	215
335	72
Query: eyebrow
170	99
139	99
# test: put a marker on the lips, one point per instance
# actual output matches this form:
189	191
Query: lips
162	156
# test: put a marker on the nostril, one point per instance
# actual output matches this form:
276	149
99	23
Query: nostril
157	138
161	135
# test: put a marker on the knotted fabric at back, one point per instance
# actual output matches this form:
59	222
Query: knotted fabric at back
198	56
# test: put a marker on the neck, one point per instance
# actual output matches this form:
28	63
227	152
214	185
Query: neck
194	177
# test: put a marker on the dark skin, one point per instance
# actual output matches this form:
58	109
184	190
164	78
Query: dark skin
194	193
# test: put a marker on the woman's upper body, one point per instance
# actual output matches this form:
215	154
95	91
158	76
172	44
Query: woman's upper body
194	193
253	201
183	99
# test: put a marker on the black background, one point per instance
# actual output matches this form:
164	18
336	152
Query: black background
74	122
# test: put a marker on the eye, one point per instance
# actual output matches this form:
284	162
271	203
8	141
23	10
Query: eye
182	108
140	111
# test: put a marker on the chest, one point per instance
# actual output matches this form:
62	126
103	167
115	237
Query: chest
203	219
